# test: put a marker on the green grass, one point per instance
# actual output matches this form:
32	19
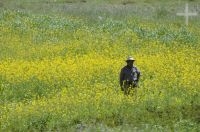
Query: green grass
91	10
59	67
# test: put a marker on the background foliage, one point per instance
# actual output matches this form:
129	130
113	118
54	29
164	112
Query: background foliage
59	66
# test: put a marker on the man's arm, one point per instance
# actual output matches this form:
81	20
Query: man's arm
138	77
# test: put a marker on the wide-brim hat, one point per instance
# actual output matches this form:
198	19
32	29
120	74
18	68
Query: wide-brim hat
130	58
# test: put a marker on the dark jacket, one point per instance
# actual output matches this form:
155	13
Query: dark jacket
130	74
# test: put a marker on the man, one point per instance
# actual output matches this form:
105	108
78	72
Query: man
129	76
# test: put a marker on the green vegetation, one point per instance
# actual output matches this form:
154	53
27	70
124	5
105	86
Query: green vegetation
60	62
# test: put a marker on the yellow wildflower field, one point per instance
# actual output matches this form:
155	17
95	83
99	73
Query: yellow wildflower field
58	74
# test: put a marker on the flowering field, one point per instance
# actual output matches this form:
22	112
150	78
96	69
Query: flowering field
61	73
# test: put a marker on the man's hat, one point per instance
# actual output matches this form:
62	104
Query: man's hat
130	58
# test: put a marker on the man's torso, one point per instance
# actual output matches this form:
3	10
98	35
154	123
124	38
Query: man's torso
130	73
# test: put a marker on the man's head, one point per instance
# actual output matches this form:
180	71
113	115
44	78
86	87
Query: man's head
130	60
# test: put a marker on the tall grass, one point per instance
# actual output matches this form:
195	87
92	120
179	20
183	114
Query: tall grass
60	73
157	11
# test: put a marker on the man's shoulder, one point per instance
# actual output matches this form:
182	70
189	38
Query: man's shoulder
124	68
135	67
